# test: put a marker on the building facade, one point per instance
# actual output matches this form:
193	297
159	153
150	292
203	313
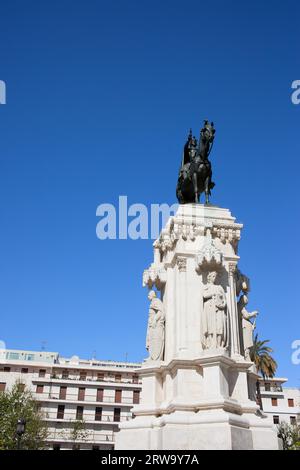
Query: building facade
282	403
82	400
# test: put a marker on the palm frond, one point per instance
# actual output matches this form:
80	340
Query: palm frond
261	356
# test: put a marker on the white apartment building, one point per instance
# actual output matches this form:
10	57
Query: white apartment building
98	394
101	394
282	403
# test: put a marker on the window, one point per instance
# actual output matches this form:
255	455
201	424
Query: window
291	402
42	372
62	393
82	375
136	397
274	401
13	356
267	387
98	413
135	379
56	446
2	386
60	411
100	376
79	412
65	374
81	393
39	388
293	420
276	419
117	414
24	370
6	369
118	377
118	396
100	394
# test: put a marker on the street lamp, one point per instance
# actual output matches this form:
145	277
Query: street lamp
21	425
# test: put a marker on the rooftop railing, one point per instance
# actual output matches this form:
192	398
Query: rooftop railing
95	379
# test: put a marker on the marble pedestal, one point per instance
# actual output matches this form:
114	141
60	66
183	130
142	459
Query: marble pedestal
197	397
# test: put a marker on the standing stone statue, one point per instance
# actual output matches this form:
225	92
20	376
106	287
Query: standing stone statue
155	341
247	326
214	321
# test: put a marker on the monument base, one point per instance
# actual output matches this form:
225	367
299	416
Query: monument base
206	407
201	431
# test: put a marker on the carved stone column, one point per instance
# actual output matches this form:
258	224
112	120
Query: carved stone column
182	299
234	320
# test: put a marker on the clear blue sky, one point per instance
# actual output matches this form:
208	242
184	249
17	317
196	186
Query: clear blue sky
100	97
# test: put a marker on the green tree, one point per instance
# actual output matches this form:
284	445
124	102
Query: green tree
290	436
265	364
296	440
15	404
260	354
75	432
78	431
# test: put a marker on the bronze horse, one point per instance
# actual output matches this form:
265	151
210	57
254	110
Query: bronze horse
195	172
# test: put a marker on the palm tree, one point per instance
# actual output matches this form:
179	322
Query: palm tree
265	364
260	355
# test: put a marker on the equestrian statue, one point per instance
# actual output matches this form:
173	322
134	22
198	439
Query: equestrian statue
195	172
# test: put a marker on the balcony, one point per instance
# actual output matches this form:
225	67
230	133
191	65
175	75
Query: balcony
53	379
272	390
91	438
73	398
105	419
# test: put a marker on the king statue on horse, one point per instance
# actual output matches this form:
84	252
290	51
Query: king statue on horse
195	172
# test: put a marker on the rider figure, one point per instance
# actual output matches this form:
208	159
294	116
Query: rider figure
195	164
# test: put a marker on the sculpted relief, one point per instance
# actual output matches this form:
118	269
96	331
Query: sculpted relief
214	319
247	326
155	341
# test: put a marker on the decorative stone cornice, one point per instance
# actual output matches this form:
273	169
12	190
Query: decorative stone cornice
154	276
209	255
230	232
163	367
189	228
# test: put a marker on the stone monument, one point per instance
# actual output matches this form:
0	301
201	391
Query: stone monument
198	383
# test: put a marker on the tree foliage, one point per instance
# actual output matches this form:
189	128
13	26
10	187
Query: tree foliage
15	404
260	354
78	431
290	436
